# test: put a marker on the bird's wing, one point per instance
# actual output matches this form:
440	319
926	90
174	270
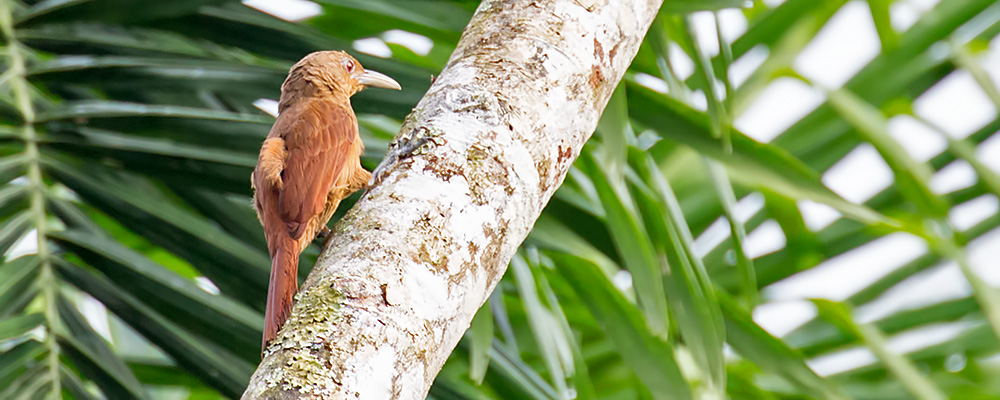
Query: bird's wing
318	137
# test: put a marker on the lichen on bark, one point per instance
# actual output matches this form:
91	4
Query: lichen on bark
299	345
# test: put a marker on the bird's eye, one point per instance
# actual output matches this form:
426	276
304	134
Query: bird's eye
349	65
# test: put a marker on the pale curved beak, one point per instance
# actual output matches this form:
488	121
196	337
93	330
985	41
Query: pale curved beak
377	79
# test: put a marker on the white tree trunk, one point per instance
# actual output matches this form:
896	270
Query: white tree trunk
412	262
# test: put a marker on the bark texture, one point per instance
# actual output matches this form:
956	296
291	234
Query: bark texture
411	263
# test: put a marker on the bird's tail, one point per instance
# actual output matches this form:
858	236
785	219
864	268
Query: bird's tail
281	288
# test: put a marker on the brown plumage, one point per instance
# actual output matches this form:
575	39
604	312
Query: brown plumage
310	161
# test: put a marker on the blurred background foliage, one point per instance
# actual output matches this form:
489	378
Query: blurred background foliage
134	266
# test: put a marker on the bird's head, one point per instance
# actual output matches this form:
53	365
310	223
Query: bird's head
331	73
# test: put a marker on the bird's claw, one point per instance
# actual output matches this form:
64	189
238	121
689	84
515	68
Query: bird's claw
401	148
323	233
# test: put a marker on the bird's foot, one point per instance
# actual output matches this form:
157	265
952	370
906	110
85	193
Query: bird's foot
323	233
413	144
325	236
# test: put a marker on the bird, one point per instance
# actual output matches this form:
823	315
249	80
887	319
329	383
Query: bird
309	162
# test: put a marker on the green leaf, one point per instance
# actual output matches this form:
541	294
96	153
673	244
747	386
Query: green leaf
717	112
883	24
686	6
751	161
737	233
821	138
17	358
16	277
14	229
482	339
168	66
817	336
803	244
20	325
967	61
913	178
189	235
519	373
583	385
74	385
10	193
108	10
358	18
966	151
986	295
634	245
92	355
916	383
502	320
211	364
805	337
551	343
552	234
147	40
11	167
233	213
837	314
108	109
116	141
226	322
771	354
615	134
778	23
689	289
29	384
649	357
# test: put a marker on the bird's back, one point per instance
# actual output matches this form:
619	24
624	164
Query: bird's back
314	148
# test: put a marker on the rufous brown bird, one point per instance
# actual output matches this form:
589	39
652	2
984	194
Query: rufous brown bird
310	161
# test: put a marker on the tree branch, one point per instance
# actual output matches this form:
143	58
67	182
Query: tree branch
410	264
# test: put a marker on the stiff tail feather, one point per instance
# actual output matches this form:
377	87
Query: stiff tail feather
281	289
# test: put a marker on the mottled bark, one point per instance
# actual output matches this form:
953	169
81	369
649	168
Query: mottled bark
410	264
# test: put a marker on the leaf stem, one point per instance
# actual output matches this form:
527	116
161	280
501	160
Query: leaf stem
22	98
